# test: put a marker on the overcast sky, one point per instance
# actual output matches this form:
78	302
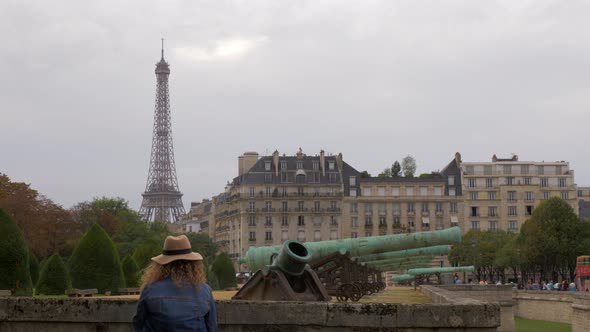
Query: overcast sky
375	80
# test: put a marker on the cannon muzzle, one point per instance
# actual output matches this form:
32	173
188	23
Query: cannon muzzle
292	258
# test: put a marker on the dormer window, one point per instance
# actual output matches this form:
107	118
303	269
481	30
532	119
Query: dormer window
283	165
331	165
267	165
299	164
316	165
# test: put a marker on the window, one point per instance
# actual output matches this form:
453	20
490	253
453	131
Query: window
285	206
333	205
528	210
190	228
284	221
492	211
453	207
284	235
368	233
507	169
512	225
252	192
316	165
471	183
396	208
451	180
475	211
268	236
382	208
409	191
352	181
299	164
333	177
354	207
267	165
512	196
562	182
395	191
333	220
512	211
424	207
492	195
437	191
381	191
396	221
268	192
580	193
411	222
367	191
354	235
544	182
368	220
423	191
382	221
252	236
268	177
300	191
268	205
284	177
300	205
487	169
564	195
546	195
473	195
540	170
558	170
452	192
368	208
251	220
528	196
268	221
317	220
527	181
439	207
492	225
469	170
301	235
475	225
284	191
489	182
283	164
317	236
524	169
410	207
354	222
331	165
300	220
509	181
316	205
352	192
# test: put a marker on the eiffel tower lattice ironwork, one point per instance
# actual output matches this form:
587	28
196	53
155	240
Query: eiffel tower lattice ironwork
162	199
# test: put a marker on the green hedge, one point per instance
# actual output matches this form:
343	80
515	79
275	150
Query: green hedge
95	263
54	278
34	268
131	272
14	258
223	268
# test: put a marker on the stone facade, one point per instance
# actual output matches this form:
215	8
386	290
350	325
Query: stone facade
584	202
503	193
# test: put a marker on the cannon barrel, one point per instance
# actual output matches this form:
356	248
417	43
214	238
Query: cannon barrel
257	257
432	251
292	258
397	267
402	277
441	270
415	259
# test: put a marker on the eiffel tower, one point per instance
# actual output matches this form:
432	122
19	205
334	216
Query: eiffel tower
162	199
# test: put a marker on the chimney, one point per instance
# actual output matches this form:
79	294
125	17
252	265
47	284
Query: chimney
275	161
322	162
339	161
457	158
494	158
246	161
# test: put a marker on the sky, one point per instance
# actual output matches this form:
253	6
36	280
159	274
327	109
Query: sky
374	80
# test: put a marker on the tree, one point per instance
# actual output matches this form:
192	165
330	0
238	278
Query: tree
145	251
95	262
14	258
365	174
203	244
223	269
396	169
131	272
33	268
54	278
385	174
409	166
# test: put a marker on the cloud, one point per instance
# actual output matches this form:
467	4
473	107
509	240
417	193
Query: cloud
223	50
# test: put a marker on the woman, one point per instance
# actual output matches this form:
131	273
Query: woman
174	294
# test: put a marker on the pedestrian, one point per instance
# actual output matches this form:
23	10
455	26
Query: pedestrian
564	285
174	294
550	285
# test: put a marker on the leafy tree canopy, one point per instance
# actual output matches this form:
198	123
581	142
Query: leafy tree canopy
131	272
409	166
14	258
223	269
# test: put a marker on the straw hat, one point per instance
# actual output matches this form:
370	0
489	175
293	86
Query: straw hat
177	248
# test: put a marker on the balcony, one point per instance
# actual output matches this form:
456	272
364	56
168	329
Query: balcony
301	209
268	209
222	229
425	213
440	213
383	225
411	213
397	213
251	224
317	210
222	243
382	212
333	210
252	210
285	210
368	212
334	224
252	239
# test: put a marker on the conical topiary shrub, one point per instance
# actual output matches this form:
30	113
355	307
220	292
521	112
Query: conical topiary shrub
54	278
95	262
34	267
14	259
131	272
224	270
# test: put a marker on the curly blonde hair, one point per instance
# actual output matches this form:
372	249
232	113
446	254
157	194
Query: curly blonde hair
182	272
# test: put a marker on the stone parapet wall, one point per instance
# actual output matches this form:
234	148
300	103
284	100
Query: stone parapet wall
97	314
473	294
581	313
553	306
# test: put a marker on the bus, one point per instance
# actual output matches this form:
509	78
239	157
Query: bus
583	273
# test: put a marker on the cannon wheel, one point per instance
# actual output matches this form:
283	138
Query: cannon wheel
348	291
357	294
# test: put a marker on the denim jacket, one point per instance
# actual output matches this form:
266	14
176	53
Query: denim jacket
164	307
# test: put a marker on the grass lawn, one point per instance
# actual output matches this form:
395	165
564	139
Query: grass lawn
527	325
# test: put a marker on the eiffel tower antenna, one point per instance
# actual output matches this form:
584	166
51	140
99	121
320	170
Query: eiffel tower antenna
162	199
